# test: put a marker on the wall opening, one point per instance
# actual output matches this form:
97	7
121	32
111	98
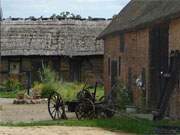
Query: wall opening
158	53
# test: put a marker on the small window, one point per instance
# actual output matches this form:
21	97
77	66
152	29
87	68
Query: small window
14	67
122	43
109	66
119	66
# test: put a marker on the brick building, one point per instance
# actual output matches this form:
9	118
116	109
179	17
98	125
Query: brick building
69	46
137	45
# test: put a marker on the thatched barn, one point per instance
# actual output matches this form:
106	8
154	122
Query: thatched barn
68	46
137	44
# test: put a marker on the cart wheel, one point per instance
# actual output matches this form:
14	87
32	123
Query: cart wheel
56	106
85	109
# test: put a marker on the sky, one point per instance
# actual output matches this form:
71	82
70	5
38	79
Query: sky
45	8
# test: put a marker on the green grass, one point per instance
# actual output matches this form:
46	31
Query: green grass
115	124
168	123
69	90
5	94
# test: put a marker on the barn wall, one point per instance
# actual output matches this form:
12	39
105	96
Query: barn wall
111	45
174	44
61	65
134	57
137	56
92	69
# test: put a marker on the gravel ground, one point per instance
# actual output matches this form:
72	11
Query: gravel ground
6	101
37	112
24	113
56	130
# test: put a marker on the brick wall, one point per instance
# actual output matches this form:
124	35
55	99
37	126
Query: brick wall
135	56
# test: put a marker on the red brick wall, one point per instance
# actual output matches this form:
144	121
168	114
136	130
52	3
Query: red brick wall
135	56
174	44
111	51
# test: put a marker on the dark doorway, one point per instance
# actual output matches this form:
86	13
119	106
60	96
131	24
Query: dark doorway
158	60
75	69
36	68
113	72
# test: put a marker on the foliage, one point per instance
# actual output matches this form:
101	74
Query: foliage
66	15
125	124
50	82
8	94
68	90
12	85
48	75
20	94
122	96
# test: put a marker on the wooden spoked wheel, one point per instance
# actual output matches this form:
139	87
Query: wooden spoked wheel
56	106
85	109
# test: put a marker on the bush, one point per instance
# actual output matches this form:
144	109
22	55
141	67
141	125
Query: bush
122	96
12	85
37	90
48	75
20	94
47	89
50	83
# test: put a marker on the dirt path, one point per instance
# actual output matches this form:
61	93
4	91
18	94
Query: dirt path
24	113
56	130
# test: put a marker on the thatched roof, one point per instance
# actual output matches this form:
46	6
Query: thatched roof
65	37
142	13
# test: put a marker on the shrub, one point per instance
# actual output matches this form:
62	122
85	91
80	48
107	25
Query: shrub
20	94
49	82
122	96
12	85
37	90
48	75
47	89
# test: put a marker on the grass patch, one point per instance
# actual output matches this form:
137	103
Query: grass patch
168	123
69	90
122	124
5	94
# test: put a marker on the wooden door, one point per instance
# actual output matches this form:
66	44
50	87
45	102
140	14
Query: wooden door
158	60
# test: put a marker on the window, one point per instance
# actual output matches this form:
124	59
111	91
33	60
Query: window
14	68
109	66
119	66
122	43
